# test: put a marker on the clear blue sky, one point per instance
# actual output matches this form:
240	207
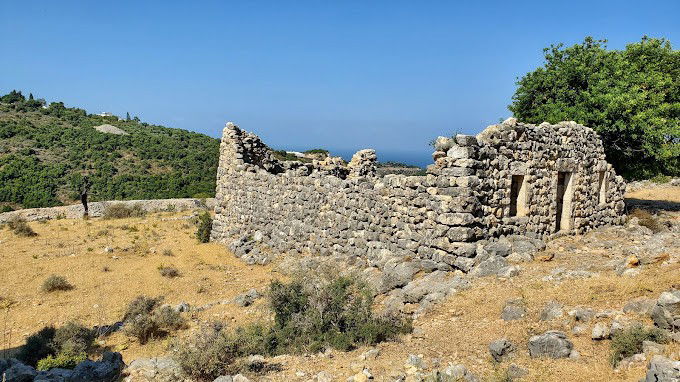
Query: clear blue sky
342	75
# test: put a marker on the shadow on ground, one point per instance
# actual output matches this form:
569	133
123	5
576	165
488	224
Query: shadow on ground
652	205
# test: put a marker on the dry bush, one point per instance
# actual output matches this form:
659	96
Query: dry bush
73	338
168	271
628	342
20	227
168	252
646	219
145	319
204	227
55	283
121	211
208	354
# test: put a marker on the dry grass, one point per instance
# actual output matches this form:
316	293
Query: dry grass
646	219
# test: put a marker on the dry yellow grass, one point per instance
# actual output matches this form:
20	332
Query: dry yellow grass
457	330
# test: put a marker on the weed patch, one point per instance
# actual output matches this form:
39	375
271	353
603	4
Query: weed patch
56	283
629	341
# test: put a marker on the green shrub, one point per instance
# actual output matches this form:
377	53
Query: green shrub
627	342
121	211
661	179
6	209
203	195
314	313
73	338
62	360
37	346
20	227
55	283
309	315
204	227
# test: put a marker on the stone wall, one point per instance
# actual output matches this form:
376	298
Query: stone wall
96	209
511	179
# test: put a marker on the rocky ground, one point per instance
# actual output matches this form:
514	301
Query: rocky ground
507	318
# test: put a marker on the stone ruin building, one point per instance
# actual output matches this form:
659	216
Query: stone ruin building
511	179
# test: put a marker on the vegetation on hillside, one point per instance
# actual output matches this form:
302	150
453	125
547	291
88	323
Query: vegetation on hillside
631	97
45	151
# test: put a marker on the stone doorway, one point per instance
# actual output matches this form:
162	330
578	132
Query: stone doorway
563	221
518	198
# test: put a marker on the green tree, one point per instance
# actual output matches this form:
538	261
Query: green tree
631	97
127	116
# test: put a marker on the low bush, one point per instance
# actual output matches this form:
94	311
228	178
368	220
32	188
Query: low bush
20	227
646	219
167	319
310	314
141	305
168	271
6	209
204	227
328	311
168	252
73	338
142	327
628	342
145	319
121	211
58	347
55	283
62	360
661	179
209	353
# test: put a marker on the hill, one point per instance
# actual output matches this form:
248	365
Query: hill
45	150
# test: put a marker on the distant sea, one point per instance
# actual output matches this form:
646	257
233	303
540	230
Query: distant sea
413	158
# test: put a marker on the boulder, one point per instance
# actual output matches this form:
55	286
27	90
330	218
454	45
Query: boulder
666	312
551	311
493	265
247	298
514	309
435	282
53	375
18	372
501	349
600	332
582	314
106	370
551	344
224	378
639	305
662	369
458	373
161	369
397	273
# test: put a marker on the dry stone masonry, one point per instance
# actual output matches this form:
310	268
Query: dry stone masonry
512	180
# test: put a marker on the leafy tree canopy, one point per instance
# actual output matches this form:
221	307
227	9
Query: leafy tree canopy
631	97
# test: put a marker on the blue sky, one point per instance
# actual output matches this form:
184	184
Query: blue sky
343	75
